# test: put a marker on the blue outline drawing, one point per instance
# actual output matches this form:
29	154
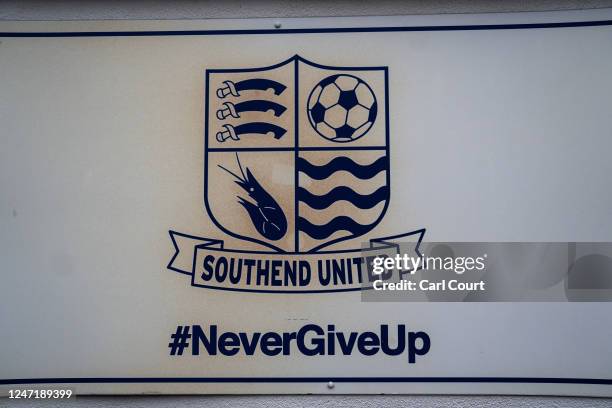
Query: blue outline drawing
323	84
337	223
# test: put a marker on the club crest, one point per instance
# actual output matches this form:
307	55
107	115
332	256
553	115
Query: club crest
297	154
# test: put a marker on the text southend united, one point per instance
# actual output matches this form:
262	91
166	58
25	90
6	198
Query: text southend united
277	272
312	340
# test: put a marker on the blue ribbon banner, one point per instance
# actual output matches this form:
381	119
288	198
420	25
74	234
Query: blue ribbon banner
213	266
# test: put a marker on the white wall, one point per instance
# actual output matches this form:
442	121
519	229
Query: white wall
156	9
322	401
152	9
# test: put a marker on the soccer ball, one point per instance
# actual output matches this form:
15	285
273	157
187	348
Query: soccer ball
342	108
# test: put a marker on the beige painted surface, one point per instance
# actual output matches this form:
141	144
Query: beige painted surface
86	170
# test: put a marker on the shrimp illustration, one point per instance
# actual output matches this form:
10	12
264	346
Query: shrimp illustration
267	216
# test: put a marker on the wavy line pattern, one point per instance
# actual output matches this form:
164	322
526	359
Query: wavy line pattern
365	201
362	172
337	224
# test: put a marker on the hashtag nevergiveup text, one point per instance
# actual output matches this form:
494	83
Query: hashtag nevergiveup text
309	340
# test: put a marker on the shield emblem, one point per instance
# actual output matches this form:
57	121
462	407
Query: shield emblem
297	154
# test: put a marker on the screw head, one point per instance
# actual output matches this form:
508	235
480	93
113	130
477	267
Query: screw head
277	24
330	385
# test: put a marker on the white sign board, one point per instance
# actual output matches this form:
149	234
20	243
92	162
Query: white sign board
196	206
